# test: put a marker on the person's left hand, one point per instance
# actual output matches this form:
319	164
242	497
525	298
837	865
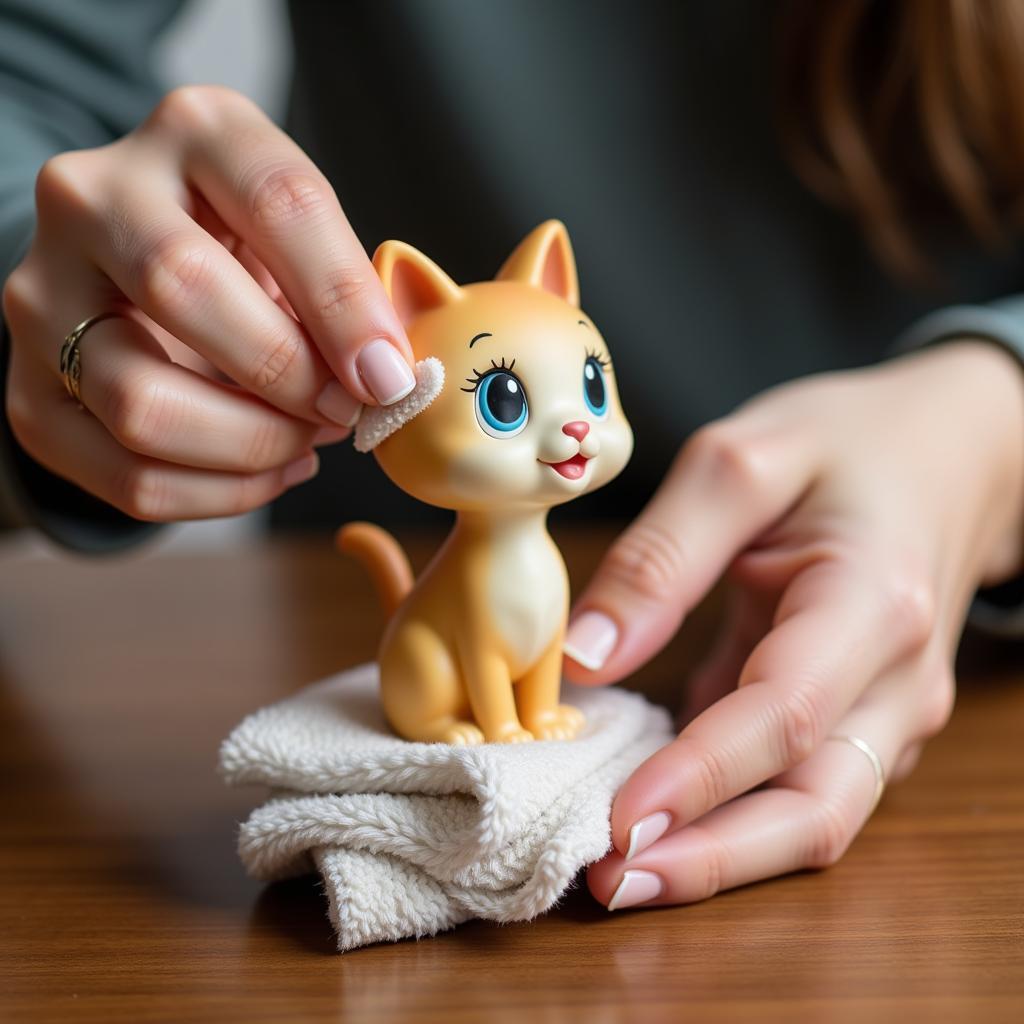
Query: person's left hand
855	515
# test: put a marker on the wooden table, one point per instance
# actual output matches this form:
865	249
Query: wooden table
121	897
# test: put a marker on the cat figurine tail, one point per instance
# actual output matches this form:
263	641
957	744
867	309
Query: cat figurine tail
382	557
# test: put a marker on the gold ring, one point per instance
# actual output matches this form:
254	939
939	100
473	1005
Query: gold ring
876	763
71	359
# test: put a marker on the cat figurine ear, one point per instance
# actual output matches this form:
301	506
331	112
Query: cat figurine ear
544	260
413	283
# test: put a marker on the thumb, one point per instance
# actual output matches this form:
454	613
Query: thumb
728	484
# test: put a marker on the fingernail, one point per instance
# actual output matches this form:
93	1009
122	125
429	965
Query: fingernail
301	469
330	435
647	831
590	639
385	372
636	887
337	404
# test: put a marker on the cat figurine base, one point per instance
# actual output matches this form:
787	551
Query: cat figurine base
526	417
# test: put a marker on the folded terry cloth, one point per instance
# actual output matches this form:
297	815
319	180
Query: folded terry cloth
414	838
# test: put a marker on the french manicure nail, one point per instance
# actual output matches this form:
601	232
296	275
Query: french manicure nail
590	639
385	372
304	468
636	887
338	405
647	831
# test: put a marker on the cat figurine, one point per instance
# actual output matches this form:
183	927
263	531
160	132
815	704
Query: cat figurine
528	418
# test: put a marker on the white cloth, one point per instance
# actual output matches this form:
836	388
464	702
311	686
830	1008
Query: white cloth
414	838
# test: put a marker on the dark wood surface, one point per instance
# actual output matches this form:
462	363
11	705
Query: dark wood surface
121	897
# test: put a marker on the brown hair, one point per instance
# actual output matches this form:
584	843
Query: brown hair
900	108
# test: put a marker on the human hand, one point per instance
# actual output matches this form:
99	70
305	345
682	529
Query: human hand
855	515
251	324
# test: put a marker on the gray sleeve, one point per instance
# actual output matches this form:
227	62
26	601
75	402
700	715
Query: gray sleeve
998	610
73	74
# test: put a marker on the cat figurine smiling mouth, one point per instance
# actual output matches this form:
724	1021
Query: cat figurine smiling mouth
524	416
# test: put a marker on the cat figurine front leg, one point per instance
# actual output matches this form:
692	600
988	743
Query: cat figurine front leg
528	418
473	653
537	698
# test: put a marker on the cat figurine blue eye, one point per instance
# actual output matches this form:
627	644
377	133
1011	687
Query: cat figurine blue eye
595	394
501	406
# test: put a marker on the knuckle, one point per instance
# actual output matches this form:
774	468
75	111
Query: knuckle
830	835
262	449
712	778
196	107
187	104
909	605
273	364
937	705
715	866
56	172
801	720
710	872
346	291
18	301
141	413
249	493
141	491
286	196
173	273
61	182
723	450
649	560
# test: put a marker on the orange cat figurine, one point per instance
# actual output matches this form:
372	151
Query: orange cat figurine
516	411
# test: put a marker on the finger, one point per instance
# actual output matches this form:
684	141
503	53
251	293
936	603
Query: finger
168	412
185	356
210	221
188	283
73	444
259	273
747	619
907	762
837	629
806	820
730	482
272	195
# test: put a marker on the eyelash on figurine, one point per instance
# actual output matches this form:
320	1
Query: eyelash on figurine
475	381
603	361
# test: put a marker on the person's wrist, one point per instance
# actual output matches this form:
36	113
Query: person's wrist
988	382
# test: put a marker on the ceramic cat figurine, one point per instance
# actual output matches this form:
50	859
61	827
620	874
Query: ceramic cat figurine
528	418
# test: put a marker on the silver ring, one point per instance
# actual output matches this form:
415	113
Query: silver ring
876	763
71	357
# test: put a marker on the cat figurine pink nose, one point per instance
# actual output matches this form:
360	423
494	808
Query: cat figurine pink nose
527	416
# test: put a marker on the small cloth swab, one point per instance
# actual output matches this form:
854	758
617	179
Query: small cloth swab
379	422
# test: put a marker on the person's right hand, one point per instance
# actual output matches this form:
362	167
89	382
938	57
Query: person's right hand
252	326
